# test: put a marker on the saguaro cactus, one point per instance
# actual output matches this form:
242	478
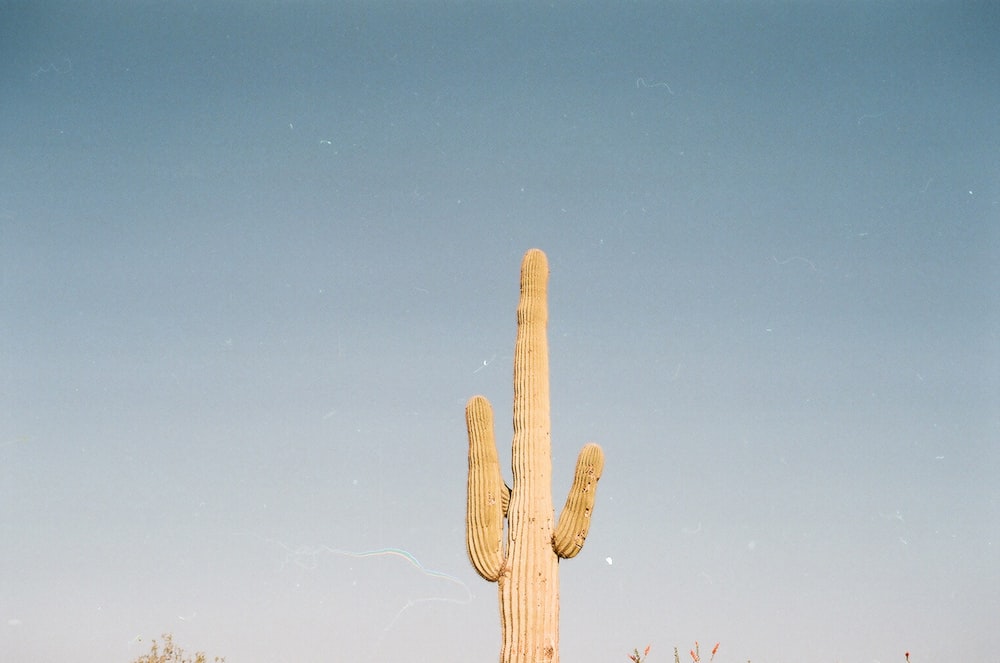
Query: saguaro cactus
526	565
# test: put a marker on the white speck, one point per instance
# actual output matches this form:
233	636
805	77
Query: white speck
692	531
13	622
609	561
486	362
751	546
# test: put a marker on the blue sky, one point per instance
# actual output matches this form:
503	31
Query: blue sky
255	258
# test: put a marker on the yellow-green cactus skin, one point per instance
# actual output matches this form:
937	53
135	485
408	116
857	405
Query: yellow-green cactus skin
525	565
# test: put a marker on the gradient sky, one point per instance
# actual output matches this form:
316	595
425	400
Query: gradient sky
254	258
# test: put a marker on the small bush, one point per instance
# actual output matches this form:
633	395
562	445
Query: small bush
168	652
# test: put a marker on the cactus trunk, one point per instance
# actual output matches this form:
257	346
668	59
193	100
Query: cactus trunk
526	568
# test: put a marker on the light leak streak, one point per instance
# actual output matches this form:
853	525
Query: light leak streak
312	553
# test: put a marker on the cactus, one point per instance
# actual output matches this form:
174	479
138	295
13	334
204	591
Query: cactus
525	566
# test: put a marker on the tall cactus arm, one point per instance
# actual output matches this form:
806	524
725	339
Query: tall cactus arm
574	521
487	494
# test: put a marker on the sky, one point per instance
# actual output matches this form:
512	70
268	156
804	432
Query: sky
255	257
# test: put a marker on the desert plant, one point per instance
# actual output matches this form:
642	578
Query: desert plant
696	654
171	653
635	657
525	568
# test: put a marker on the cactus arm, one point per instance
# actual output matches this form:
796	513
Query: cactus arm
487	493
574	521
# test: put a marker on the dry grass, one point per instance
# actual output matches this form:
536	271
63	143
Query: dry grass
636	657
168	652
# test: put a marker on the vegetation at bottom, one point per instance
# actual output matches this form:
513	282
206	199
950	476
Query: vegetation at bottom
636	657
168	652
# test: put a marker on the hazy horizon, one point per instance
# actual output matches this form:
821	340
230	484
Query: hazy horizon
254	259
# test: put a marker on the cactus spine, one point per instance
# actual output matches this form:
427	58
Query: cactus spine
526	566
